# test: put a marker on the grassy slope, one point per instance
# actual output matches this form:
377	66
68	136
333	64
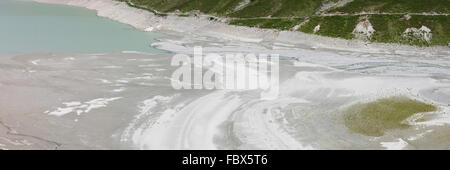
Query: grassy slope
298	8
396	6
281	24
389	28
278	8
219	7
332	26
257	8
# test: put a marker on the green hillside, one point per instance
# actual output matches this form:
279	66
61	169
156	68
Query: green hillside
277	23
278	8
256	8
338	19
396	6
219	7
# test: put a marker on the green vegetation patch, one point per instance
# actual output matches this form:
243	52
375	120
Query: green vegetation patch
144	8
280	24
138	7
160	5
298	8
390	29
258	8
182	15
285	14
374	118
219	7
278	8
332	26
395	6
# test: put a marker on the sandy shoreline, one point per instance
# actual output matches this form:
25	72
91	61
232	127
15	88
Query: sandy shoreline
144	20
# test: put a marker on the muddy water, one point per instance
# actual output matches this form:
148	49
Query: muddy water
124	100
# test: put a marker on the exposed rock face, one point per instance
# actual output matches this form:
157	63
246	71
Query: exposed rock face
317	28
298	26
364	30
328	4
149	29
423	33
242	5
407	17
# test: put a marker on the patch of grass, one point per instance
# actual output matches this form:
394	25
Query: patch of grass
258	8
219	7
143	8
160	5
374	118
183	15
390	28
278	8
139	7
396	6
280	24
332	26
298	8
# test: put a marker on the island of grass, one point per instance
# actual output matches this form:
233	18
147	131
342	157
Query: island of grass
375	118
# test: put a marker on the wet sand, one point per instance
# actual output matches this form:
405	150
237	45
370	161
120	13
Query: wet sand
40	93
125	100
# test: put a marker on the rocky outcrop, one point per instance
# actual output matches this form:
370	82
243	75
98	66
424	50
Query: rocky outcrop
328	4
364	30
242	5
316	29
422	34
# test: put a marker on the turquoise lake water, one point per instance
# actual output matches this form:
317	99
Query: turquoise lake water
27	27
